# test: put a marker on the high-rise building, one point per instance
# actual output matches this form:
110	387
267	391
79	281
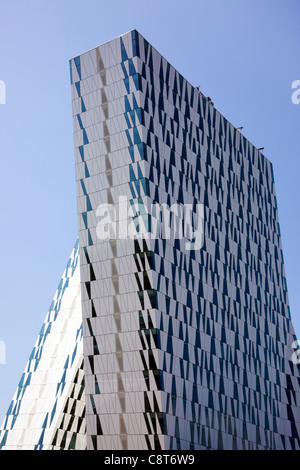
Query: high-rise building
187	334
48	409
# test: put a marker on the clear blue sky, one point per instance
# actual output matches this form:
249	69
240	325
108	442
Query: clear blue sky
243	53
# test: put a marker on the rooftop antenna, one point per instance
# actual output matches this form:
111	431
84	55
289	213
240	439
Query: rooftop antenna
261	148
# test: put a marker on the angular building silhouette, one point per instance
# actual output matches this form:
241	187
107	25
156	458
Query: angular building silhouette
186	329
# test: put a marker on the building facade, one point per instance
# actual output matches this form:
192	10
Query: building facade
47	411
187	334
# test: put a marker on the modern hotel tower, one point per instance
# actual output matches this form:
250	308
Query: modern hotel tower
170	328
